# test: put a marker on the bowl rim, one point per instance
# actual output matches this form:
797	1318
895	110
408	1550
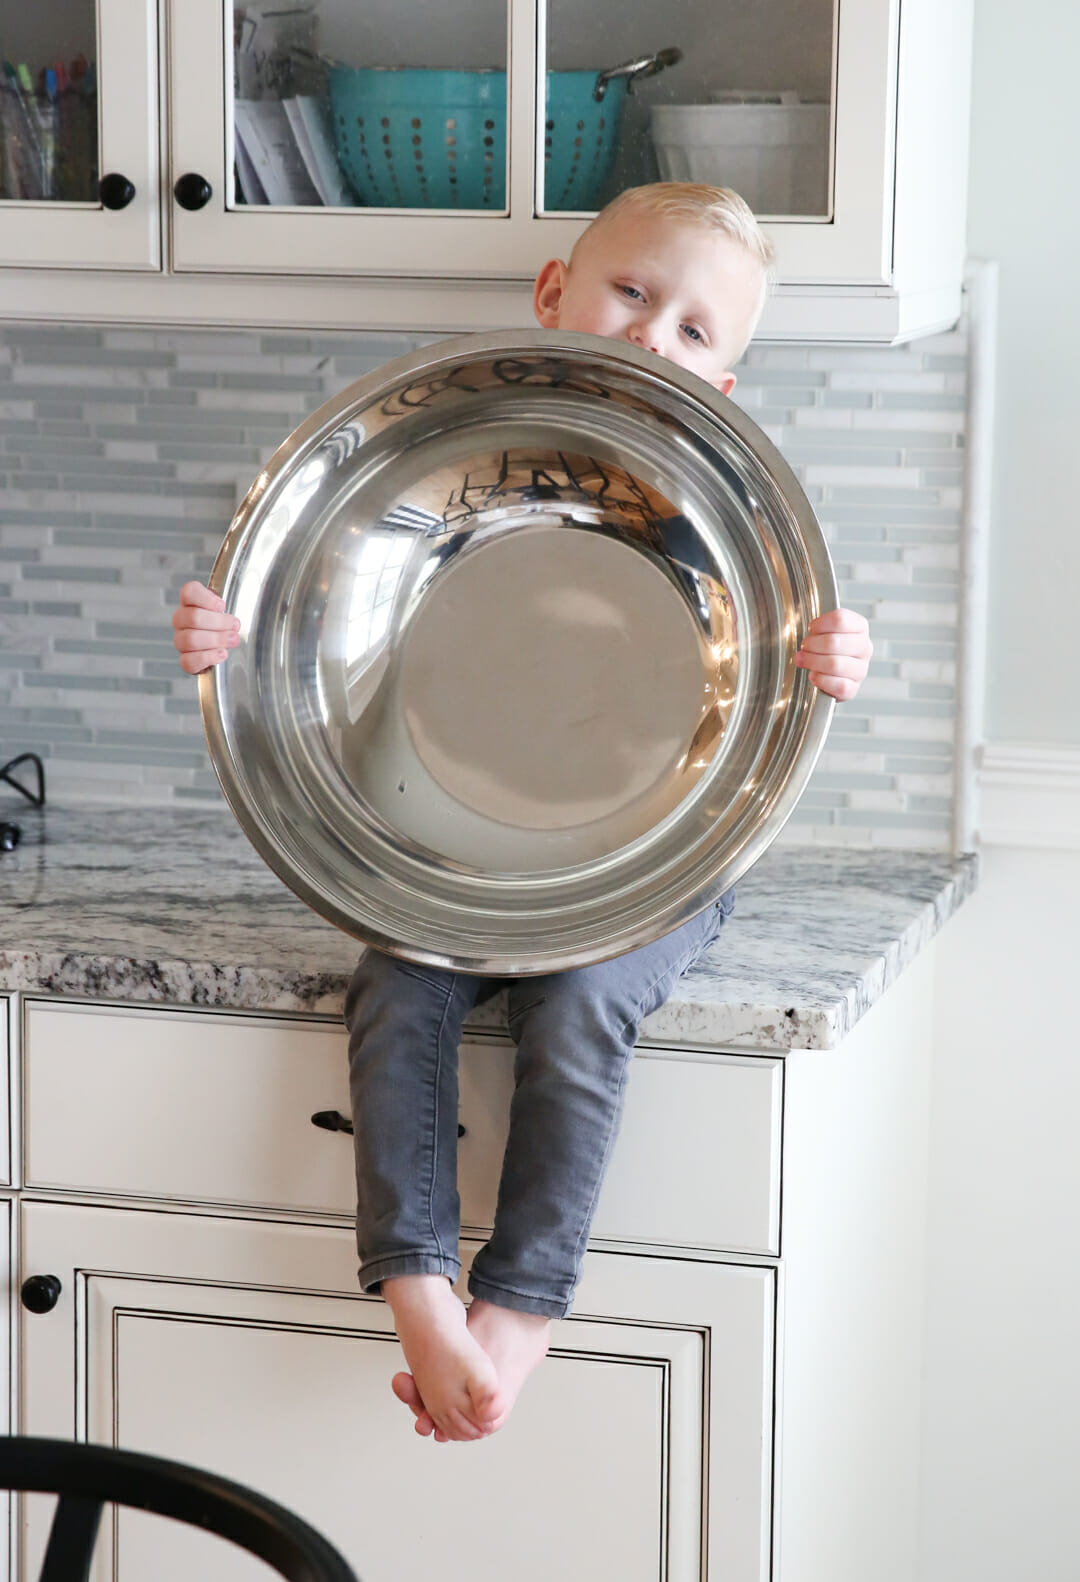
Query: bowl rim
278	470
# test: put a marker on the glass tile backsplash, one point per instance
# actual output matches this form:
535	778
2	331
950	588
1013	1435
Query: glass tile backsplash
123	454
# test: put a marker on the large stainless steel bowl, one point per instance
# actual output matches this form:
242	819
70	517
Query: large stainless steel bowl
515	688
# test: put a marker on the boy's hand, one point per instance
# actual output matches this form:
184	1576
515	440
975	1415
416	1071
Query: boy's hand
837	651
203	632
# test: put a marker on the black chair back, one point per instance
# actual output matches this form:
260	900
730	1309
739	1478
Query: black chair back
87	1477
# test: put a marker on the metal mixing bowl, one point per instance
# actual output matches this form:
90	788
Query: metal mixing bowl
515	689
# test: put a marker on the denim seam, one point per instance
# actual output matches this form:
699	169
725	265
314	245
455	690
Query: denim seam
371	1273
513	1290
411	971
673	974
435	1128
479	1282
515	1018
411	1252
670	974
608	1143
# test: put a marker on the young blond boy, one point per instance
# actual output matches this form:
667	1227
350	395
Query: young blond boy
682	270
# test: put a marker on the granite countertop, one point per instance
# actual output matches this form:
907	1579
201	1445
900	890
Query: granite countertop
175	907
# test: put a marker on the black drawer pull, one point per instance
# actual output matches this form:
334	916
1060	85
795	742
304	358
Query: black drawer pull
331	1121
334	1121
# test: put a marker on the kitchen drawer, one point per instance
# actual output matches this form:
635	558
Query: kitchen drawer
207	1107
697	1162
217	1108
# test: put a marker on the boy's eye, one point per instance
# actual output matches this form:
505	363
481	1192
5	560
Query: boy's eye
632	291
694	333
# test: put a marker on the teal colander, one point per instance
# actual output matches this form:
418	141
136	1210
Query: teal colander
414	138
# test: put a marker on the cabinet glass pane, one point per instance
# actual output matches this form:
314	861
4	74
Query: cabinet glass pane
386	104
48	101
729	92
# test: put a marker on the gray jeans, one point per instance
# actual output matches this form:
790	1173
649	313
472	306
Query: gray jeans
575	1033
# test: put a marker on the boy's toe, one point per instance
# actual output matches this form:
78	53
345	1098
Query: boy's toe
457	1426
489	1413
404	1387
485	1401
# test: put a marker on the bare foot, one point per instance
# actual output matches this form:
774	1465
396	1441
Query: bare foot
404	1387
515	1342
455	1382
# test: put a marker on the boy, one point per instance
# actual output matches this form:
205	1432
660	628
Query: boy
682	270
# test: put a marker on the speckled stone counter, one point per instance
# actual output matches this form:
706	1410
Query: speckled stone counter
152	904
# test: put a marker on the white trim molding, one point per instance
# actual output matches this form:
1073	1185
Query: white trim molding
981	300
1029	795
846	315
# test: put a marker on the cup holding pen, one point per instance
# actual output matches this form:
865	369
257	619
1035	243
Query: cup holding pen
22	146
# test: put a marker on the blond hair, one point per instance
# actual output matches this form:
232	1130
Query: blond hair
716	208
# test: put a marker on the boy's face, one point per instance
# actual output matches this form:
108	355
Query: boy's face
676	288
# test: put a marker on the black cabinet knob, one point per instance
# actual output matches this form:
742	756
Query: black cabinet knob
41	1292
10	835
115	191
193	191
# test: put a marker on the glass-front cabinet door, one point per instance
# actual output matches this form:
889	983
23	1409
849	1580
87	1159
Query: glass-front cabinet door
735	95
703	90
355	136
474	138
79	133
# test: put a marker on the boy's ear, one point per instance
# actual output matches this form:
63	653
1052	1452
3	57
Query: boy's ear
726	383
548	292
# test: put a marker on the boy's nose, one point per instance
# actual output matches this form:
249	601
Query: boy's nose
646	333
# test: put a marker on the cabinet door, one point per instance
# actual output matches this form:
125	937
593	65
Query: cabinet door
80	105
791	104
6	1544
243	1346
475	138
5	1096
326	145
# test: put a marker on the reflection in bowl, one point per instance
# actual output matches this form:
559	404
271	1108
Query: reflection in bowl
516	685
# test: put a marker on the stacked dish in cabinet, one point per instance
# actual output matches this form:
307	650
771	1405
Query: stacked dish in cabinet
772	148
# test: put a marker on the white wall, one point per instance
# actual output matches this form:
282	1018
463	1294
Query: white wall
1001	1445
1002	1424
1024	211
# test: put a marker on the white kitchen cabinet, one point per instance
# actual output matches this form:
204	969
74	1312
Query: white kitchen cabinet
6	1381
218	1109
82	232
5	1094
736	1394
877	257
243	1346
